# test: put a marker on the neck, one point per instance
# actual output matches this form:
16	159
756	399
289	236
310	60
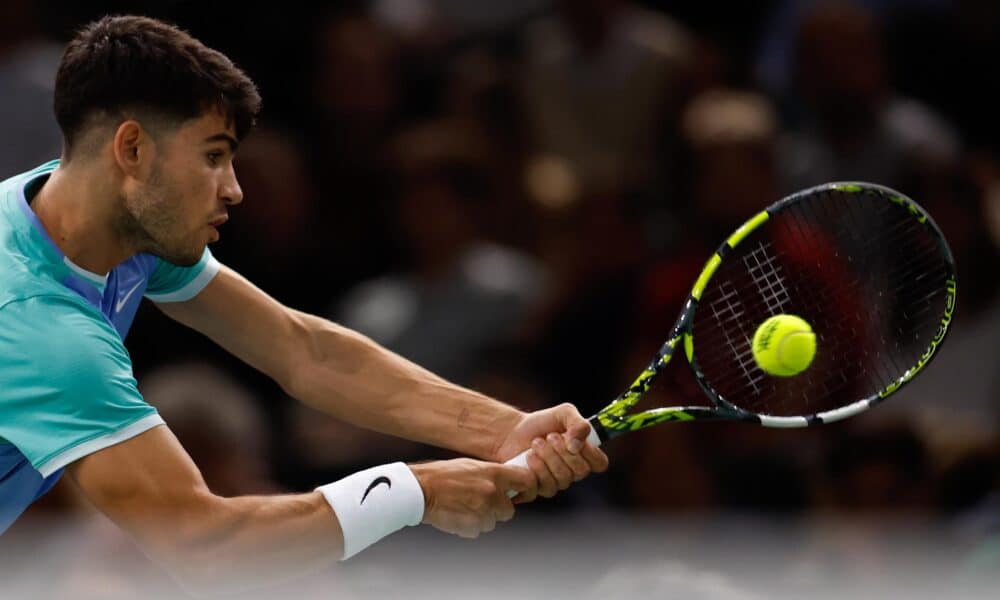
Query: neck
78	211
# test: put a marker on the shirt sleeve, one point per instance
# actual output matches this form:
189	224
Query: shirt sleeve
171	283
68	389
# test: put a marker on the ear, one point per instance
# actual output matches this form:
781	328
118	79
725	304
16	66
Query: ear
134	149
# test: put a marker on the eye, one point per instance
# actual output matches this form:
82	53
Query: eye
214	156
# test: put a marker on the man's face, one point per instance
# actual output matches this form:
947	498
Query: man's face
176	211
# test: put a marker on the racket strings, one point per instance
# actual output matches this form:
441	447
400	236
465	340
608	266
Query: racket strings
869	371
855	235
920	274
734	331
775	297
866	274
889	232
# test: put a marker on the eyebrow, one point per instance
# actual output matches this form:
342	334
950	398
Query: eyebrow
223	137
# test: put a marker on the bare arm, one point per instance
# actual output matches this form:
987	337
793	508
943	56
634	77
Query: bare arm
342	372
149	486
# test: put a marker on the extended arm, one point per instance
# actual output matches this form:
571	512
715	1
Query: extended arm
342	372
150	487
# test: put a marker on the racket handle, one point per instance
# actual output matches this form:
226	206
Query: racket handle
521	460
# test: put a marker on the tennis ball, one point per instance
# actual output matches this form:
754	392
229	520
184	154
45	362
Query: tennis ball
784	345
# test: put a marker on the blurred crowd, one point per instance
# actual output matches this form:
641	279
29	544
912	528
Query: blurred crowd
518	195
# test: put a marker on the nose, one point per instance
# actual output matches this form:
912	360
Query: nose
230	191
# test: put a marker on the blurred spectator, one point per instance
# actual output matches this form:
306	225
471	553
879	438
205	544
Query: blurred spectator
218	423
481	89
460	299
28	64
268	238
461	295
356	93
322	448
459	18
884	469
729	138
941	51
852	124
773	68
602	84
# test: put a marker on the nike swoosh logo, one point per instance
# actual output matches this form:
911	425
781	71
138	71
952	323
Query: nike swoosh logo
377	482
120	304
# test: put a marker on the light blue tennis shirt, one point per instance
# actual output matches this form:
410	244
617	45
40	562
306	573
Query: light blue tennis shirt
66	384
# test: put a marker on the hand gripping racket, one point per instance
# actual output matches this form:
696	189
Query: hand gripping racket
866	266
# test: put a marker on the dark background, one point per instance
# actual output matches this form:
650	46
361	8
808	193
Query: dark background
518	195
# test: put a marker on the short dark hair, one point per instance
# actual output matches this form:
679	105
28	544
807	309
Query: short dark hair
121	64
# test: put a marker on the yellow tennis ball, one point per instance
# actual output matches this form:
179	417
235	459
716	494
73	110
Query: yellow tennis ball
784	345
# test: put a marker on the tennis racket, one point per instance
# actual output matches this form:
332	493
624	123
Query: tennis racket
866	266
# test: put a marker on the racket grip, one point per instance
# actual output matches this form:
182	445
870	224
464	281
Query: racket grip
521	460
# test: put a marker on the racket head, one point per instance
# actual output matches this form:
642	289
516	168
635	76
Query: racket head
852	258
865	265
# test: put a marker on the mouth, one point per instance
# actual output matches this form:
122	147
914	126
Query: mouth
218	221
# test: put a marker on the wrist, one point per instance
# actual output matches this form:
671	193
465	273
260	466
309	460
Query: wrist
423	475
505	428
374	503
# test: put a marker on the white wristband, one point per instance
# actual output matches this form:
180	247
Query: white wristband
373	503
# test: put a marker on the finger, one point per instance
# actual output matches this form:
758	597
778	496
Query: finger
596	458
526	497
576	464
576	435
504	510
470	528
503	507
521	480
563	475
529	492
547	486
488	524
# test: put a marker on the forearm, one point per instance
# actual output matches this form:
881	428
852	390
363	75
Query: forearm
351	377
227	544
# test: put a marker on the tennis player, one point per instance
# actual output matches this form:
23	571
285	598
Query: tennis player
151	119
